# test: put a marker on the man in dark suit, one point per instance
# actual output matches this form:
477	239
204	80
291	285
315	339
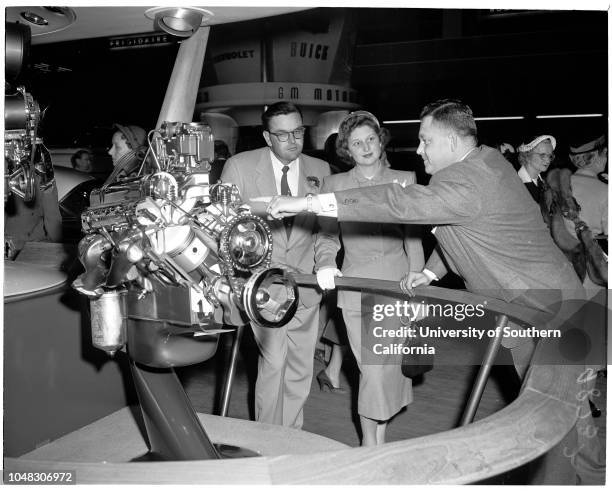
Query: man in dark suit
534	158
287	353
489	231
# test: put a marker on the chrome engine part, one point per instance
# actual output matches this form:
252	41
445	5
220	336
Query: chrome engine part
21	118
170	230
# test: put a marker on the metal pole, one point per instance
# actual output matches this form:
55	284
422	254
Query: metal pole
179	101
483	373
229	379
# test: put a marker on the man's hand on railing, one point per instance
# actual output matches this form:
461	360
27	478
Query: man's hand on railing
413	279
325	278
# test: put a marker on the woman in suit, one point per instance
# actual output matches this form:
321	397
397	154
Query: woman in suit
371	250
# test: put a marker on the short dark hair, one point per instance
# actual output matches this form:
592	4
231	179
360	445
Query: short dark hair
453	114
356	120
77	155
276	109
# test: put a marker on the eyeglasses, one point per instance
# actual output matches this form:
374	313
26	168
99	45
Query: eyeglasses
283	136
544	156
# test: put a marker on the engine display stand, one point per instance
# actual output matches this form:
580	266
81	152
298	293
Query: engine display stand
173	429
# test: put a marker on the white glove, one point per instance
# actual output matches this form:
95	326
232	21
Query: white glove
325	278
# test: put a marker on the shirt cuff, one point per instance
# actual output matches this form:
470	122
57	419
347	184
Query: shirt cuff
328	205
430	274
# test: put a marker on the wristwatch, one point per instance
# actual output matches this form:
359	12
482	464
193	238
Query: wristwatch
309	202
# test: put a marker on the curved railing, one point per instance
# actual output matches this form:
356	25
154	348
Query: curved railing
538	419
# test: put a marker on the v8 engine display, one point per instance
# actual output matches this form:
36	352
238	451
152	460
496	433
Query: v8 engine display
166	245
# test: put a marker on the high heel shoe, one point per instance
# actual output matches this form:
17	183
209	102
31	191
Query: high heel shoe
325	384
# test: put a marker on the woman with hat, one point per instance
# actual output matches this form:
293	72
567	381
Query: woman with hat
371	250
590	190
128	149
534	158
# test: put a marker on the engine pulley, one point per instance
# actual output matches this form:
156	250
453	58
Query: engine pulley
246	242
270	297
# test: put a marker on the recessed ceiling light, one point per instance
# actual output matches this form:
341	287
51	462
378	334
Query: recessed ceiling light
33	18
179	21
41	20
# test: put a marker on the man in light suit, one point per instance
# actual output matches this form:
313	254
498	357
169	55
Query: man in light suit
287	353
489	231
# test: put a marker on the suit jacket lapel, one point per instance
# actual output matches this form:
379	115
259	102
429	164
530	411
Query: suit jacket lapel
264	179
266	186
302	183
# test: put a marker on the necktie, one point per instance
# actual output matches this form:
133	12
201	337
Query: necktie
285	191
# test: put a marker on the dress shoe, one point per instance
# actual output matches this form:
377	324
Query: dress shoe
325	384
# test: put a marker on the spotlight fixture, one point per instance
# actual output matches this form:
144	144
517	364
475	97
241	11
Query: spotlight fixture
41	20
179	21
33	18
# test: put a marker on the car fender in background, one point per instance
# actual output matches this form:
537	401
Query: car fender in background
67	179
73	190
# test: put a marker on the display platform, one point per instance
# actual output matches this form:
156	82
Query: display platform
102	452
